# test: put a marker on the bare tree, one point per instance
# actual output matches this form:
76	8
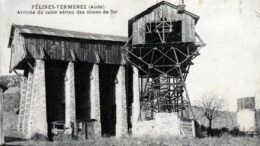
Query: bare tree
210	106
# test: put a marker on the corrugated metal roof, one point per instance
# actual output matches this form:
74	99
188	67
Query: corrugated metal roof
28	29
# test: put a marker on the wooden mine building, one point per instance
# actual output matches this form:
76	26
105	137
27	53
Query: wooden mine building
80	77
69	76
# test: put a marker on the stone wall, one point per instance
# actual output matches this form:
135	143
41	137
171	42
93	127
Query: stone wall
38	116
246	120
1	117
258	119
73	92
121	108
95	100
166	124
70	97
136	97
23	91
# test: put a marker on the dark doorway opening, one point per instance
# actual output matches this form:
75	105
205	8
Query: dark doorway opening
129	94
82	86
107	77
55	92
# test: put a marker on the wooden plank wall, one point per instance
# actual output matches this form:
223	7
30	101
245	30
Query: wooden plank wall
17	49
188	25
57	48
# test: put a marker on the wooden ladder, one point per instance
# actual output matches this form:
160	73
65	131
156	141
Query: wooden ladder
28	103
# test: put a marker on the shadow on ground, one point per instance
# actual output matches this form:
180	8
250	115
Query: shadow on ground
9	139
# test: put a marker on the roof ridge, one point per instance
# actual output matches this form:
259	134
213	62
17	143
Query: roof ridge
26	25
47	31
158	4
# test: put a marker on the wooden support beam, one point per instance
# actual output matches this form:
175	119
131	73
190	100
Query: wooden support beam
184	85
26	52
29	64
126	44
20	76
97	57
200	39
42	53
72	55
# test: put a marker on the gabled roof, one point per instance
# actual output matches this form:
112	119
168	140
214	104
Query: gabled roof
28	29
150	9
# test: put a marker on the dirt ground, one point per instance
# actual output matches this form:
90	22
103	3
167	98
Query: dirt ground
226	140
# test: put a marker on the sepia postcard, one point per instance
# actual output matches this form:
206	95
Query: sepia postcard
132	72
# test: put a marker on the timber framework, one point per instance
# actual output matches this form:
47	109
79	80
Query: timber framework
95	84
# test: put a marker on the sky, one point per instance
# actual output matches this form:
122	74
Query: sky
229	66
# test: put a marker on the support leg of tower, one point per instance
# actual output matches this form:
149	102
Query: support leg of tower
38	112
136	99
70	107
95	100
23	89
121	110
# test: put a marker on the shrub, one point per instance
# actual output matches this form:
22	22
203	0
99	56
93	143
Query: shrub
236	132
11	101
39	137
